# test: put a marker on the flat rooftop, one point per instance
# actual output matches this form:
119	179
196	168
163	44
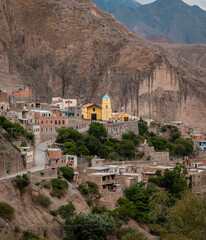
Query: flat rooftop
101	174
99	168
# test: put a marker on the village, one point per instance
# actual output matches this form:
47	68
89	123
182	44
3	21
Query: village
43	120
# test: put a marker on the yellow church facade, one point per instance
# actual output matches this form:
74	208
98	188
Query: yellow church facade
92	111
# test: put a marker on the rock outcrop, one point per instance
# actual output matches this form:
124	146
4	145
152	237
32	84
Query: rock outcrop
73	49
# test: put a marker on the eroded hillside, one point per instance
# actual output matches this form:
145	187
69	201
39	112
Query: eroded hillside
72	48
29	215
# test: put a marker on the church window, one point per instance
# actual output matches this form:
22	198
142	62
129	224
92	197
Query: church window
106	106
93	109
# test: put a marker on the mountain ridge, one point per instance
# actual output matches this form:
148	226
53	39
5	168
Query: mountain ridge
175	19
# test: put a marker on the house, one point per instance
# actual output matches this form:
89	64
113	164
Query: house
28	156
201	145
62	103
55	158
96	162
105	181
93	111
121	116
71	160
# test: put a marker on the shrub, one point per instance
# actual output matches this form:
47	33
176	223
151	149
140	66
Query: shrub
17	229
59	186
134	236
42	200
67	211
89	202
37	183
22	182
29	236
54	212
24	144
156	229
6	211
88	187
68	172
42	173
57	193
46	185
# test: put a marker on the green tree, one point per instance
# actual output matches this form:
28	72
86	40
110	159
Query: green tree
187	143
97	130
127	149
68	172
134	236
93	145
159	143
82	150
143	128
187	218
69	148
64	134
136	139
126	210
175	181
176	135
140	197
22	182
91	226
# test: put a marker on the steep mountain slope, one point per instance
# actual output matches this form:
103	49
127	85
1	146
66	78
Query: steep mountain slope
193	54
111	5
172	18
73	49
158	39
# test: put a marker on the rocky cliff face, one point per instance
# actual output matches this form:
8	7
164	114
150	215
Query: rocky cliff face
73	49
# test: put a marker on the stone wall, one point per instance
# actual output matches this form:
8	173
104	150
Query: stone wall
115	130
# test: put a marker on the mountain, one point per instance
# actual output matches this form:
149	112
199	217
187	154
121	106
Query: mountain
110	5
172	18
73	49
158	39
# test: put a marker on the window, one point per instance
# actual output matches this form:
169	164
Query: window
59	122
104	178
42	122
62	121
51	121
93	109
55	122
106	106
77	115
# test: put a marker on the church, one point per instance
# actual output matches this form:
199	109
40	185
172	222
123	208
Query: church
93	111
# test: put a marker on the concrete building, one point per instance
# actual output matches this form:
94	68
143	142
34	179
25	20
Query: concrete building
105	181
71	161
62	103
28	156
